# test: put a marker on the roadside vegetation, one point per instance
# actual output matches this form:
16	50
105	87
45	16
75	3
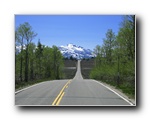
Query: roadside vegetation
114	64
35	63
115	61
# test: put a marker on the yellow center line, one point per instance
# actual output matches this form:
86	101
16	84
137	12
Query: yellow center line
60	98
61	94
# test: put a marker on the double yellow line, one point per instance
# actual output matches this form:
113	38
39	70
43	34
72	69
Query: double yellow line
61	94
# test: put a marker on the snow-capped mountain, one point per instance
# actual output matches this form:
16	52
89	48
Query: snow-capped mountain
77	52
68	51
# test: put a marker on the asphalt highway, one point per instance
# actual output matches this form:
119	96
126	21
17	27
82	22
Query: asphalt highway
73	92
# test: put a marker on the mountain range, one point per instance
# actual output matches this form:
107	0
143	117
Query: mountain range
70	51
76	52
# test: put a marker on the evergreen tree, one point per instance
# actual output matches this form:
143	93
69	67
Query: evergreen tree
39	55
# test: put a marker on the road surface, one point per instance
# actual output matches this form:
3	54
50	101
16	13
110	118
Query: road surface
74	92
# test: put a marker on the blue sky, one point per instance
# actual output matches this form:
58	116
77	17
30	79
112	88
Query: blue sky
82	30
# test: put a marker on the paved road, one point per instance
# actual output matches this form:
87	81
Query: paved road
77	91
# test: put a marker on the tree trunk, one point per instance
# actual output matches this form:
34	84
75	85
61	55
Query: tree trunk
26	64
31	70
21	59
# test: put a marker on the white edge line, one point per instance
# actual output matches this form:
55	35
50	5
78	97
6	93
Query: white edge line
114	92
28	87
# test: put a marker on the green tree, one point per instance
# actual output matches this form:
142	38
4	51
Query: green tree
39	55
126	37
126	51
57	62
32	57
46	62
120	52
28	35
109	44
19	40
99	51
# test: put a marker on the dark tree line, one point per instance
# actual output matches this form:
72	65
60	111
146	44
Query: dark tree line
33	62
115	61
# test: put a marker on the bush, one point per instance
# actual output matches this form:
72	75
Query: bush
109	73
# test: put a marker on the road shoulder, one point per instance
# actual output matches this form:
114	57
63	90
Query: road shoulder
117	91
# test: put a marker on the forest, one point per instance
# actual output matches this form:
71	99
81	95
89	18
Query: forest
34	63
115	61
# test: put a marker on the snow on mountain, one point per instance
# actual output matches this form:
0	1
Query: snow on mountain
77	52
70	50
